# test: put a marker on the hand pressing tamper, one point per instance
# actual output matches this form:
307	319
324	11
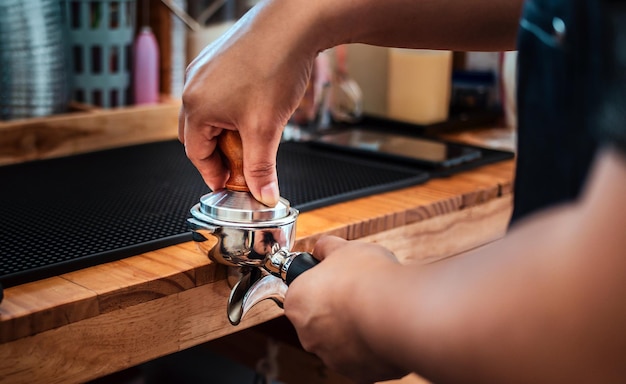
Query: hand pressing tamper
251	237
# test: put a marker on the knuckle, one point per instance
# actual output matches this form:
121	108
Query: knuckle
262	169
188	97
192	94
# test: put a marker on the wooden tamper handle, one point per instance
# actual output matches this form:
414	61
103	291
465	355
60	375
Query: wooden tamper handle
229	142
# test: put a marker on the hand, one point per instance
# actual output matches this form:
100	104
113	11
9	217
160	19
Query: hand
323	304
250	80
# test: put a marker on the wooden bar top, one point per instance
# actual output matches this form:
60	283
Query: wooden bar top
86	324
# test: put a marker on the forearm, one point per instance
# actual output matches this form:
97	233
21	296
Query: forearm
432	24
543	305
480	317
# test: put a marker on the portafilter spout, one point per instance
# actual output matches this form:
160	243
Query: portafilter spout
250	236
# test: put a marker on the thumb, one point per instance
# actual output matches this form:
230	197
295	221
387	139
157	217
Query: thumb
259	165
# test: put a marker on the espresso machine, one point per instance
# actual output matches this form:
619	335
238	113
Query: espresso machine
232	228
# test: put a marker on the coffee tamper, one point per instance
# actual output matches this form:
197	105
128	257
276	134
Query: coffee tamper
253	239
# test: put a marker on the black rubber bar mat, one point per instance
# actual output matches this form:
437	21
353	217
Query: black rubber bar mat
68	213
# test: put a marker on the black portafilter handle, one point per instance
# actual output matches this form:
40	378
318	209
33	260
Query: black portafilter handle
300	263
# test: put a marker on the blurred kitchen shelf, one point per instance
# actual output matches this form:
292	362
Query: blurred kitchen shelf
86	128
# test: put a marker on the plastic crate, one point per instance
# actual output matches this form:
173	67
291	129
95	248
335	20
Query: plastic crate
100	38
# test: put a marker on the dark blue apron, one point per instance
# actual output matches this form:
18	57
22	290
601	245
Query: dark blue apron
560	60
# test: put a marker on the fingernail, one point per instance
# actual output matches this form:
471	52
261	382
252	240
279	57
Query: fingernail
269	194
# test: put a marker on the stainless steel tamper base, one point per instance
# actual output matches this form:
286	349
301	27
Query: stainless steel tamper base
241	207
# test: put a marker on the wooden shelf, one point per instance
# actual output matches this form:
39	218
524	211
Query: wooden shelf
87	129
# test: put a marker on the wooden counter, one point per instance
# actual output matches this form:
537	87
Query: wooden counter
85	324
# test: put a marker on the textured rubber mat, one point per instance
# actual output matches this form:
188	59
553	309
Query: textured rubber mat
63	214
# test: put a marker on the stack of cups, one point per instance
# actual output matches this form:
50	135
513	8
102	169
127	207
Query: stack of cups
33	59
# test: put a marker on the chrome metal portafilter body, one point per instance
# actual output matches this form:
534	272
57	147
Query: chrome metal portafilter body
255	241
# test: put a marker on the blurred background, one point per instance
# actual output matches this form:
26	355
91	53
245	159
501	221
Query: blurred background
61	56
71	56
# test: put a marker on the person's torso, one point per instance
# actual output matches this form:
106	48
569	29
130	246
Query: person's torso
556	45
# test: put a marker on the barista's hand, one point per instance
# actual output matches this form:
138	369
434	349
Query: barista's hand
250	80
324	306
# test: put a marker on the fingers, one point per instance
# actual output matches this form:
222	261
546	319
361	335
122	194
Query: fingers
327	245
200	147
259	163
259	156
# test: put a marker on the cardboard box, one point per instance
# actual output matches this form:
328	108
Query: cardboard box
402	84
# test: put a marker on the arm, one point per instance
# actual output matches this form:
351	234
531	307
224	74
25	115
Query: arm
481	25
254	77
546	304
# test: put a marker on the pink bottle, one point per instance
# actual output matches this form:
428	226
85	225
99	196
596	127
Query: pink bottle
146	68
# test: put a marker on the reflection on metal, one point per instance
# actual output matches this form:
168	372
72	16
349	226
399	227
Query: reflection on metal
253	239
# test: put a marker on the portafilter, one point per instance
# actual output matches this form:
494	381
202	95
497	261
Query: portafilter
252	238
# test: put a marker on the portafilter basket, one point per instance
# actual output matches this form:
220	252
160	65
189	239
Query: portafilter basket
249	236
